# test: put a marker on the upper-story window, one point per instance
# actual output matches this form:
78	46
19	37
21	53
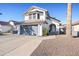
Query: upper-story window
30	16
34	15
38	16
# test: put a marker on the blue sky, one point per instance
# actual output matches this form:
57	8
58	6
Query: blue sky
15	11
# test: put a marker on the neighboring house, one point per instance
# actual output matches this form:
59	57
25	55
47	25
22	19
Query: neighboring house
75	28
35	20
4	26
14	26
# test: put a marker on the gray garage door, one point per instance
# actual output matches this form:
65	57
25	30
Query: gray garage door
29	30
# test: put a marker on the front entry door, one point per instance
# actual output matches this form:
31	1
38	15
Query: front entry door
52	30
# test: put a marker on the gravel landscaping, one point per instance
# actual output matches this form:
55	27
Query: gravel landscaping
61	46
58	45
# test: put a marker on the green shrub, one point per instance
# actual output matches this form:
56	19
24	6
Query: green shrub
45	31
0	33
9	31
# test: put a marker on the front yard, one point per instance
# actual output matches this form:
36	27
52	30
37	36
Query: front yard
59	45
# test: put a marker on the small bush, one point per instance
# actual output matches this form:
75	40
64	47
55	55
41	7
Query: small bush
0	33
45	31
9	31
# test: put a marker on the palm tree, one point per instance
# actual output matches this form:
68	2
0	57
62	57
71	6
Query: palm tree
69	20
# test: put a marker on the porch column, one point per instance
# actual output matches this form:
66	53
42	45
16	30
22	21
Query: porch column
18	28
69	20
39	30
32	16
36	15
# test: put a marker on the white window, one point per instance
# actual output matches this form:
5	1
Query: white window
34	15
30	16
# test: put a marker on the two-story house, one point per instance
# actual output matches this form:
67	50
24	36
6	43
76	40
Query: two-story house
35	19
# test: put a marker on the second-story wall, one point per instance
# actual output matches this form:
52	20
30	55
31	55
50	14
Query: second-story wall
35	14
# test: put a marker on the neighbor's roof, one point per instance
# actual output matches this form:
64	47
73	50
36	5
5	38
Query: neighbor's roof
75	23
17	22
4	23
7	23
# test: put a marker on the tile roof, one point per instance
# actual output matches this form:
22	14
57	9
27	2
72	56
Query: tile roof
75	23
7	23
4	23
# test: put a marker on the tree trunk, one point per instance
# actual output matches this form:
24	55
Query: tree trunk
69	20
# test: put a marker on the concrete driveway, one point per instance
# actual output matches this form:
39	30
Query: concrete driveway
19	45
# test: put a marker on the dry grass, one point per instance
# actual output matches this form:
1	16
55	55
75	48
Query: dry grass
61	46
